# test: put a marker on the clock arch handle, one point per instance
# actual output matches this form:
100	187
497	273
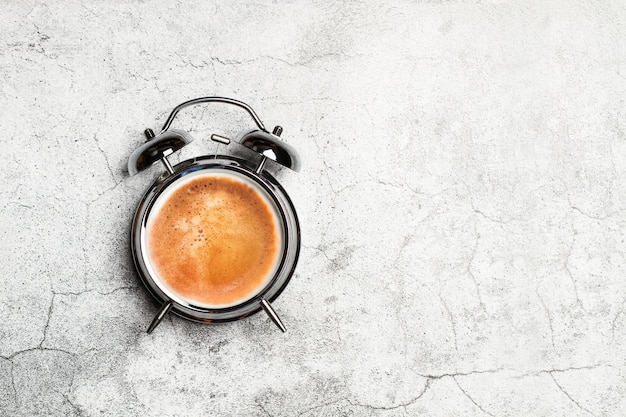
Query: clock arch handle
200	100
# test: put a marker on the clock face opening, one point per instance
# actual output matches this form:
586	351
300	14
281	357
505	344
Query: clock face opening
214	239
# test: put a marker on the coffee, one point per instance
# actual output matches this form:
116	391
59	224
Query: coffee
214	239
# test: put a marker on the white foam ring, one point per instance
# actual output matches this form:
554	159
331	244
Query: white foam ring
163	198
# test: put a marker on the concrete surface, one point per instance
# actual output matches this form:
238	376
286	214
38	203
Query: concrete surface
463	207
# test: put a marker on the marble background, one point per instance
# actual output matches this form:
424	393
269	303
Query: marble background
462	203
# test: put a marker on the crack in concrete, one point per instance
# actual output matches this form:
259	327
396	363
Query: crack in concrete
315	58
76	408
264	410
301	63
45	329
485	216
405	242
15	203
319	249
71	354
452	321
431	195
394	407
470	373
102	193
571	368
14	355
43	349
569	272
308	410
470	398
405	404
335	263
129	287
551	372
230	61
471	274
547	311
106	158
13	380
307	100
326	169
405	187
599	218
575	285
568	395
40	346
621	311
84	251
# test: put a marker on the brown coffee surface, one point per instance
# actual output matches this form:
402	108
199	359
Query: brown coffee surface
214	241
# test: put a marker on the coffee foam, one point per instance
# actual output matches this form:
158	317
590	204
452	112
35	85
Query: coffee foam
223	245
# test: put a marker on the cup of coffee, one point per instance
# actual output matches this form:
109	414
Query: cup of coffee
214	239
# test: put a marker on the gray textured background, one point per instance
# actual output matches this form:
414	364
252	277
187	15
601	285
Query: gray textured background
462	205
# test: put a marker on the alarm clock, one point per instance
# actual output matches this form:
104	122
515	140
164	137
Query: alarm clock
215	238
